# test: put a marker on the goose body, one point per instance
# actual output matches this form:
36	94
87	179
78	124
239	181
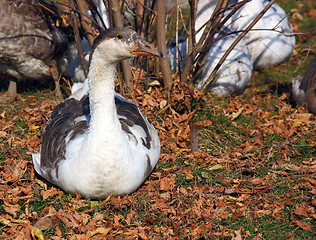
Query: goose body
32	47
267	47
96	142
304	90
236	70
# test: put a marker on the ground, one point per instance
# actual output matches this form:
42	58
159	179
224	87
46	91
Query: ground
251	174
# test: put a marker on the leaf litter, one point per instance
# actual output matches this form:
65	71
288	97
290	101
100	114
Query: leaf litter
228	168
190	193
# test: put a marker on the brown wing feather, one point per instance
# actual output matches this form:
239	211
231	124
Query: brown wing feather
62	125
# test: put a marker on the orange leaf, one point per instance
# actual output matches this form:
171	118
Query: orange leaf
129	217
183	191
166	183
49	193
100	230
301	211
303	225
12	209
44	223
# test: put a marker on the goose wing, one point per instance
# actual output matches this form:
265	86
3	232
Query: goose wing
68	120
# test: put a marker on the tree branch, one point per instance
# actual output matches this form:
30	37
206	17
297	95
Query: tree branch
161	40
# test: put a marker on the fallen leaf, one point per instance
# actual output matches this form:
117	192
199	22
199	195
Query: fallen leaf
215	167
6	222
44	223
256	181
237	235
303	225
100	230
183	191
301	211
49	193
229	190
129	217
166	183
36	233
291	167
10	208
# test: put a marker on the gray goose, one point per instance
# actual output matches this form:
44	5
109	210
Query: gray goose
96	142
304	90
32	47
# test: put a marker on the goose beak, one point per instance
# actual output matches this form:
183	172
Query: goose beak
143	48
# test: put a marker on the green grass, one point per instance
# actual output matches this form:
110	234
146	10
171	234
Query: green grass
263	162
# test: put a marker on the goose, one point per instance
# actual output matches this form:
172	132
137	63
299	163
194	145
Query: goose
304	90
267	47
236	70
32	46
97	143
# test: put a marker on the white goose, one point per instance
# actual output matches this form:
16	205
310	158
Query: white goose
236	70
267	47
97	144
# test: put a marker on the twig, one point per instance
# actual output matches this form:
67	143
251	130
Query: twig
78	39
202	58
161	40
118	22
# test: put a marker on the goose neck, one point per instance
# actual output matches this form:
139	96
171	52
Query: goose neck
101	83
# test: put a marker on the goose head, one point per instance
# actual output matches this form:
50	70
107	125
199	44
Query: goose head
117	44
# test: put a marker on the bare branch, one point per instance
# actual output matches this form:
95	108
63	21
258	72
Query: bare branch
77	38
85	21
161	40
216	16
118	22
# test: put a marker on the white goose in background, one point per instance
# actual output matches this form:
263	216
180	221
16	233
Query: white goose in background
304	90
96	142
267	47
236	70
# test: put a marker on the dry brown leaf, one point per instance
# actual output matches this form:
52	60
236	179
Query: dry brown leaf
10	208
129	217
215	167
303	225
166	183
44	223
49	193
183	191
237	235
100	230
301	211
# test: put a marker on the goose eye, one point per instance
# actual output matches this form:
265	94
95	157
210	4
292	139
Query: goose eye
119	36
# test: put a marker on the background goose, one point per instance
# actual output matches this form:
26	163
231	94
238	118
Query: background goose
32	46
236	70
98	143
304	90
267	47
257	49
